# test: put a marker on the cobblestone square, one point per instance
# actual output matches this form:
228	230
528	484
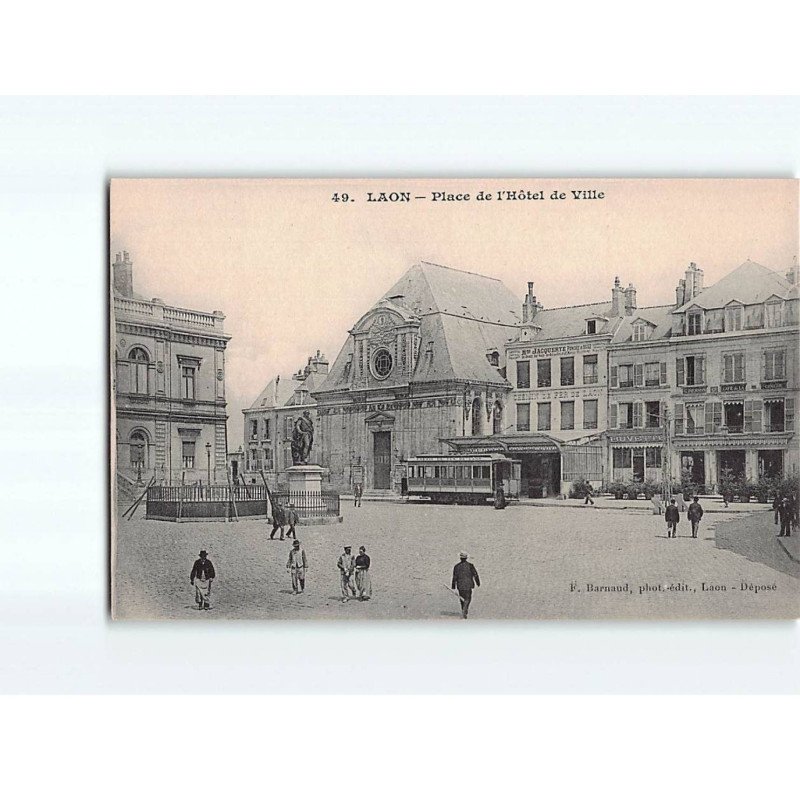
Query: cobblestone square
534	563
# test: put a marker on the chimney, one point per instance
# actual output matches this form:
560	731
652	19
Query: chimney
530	308
319	363
630	300
123	274
617	295
680	293
791	275
693	282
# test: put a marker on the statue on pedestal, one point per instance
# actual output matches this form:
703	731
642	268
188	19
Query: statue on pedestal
302	439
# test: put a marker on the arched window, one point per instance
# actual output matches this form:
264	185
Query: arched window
138	448
497	418
476	416
139	366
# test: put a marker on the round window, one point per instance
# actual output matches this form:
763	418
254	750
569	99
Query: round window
382	364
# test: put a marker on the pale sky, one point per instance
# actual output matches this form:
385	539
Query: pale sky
293	271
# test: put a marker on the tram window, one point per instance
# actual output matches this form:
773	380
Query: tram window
428	472
450	472
476	472
486	473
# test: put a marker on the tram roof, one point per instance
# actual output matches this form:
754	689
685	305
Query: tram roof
460	457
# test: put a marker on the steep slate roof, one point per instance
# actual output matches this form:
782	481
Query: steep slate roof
286	388
659	316
557	323
749	283
462	313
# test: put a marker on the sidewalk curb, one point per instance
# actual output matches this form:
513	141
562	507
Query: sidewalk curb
785	550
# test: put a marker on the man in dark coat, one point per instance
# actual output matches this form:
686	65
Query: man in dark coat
694	514
201	576
786	513
672	517
465	579
278	519
292	519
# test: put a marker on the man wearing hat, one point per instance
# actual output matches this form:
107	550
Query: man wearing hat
291	520
347	565
296	566
201	577
465	579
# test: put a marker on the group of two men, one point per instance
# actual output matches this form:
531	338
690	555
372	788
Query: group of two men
785	512
281	517
354	574
672	517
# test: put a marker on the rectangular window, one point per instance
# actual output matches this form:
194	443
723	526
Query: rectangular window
288	427
523	374
567	415
591	326
733	318
774	365
568	371
187	375
625	376
652	413
188	455
626	415
733	368
622	457
695	371
590	369
543	417
523	416
543	377
266	429
652	457
652	374
774	416
694	323
254	429
695	419
773	315
590	414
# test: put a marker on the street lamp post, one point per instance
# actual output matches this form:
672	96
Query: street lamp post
208	461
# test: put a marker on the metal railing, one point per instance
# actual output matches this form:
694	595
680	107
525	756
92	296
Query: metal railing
310	504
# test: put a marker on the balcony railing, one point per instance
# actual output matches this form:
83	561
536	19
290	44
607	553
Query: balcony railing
158	312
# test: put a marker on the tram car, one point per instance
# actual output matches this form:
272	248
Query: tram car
463	478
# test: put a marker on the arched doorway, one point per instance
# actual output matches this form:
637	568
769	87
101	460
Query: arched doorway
476	416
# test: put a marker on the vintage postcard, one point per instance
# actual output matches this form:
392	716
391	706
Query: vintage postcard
471	399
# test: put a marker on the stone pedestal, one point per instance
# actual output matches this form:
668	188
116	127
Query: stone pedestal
305	478
305	493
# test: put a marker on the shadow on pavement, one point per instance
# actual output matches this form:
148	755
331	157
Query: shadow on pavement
754	538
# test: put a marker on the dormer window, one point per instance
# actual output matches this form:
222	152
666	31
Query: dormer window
493	358
641	331
591	326
773	314
694	323
733	318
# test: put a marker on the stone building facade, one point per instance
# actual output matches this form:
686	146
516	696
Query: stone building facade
424	365
269	423
168	386
720	369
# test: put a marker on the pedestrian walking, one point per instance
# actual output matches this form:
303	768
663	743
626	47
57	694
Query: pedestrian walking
278	519
292	519
347	566
672	517
201	576
589	494
296	566
786	514
465	579
694	514
363	581
358	491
